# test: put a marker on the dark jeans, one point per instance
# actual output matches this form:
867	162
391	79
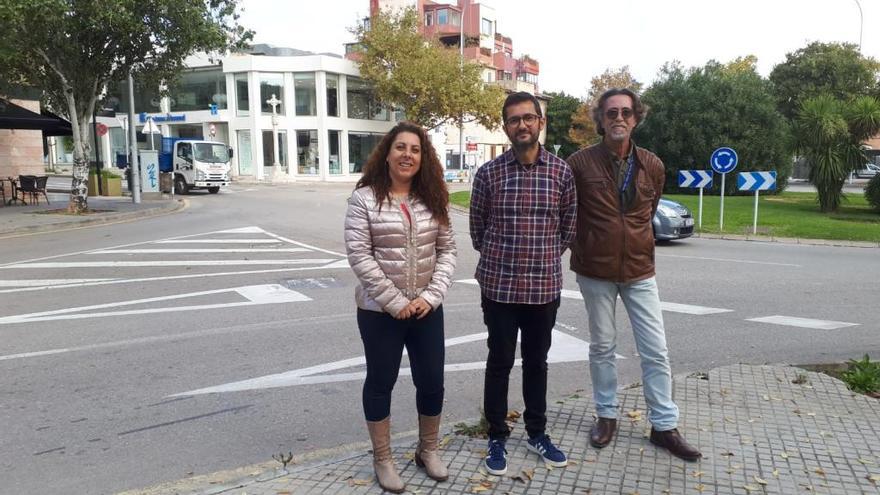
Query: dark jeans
384	339
504	321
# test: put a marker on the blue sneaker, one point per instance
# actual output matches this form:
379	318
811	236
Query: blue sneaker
544	447
496	458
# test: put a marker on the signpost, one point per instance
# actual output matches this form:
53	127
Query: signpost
723	160
151	128
696	179
756	181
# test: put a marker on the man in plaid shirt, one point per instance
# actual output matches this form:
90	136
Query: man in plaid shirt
522	218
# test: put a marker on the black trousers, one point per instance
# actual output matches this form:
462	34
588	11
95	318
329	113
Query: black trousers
384	339
536	322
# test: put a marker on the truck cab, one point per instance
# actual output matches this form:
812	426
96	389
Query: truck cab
196	164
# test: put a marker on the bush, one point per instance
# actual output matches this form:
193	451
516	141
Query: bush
863	375
872	192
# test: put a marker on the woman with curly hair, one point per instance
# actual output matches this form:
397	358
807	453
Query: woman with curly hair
401	247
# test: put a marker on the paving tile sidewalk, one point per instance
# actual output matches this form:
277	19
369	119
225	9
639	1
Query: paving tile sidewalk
762	430
29	219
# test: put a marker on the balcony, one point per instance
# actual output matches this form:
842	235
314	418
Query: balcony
527	64
479	55
514	86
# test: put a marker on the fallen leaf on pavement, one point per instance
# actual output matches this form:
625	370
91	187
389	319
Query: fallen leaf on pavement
865	461
751	488
528	473
873	478
760	481
700	487
359	482
775	473
696	474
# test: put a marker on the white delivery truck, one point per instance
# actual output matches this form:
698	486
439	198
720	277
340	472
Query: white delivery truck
196	164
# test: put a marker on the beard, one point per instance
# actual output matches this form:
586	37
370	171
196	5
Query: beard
524	144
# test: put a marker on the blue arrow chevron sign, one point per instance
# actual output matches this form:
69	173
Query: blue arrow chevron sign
694	178
756	181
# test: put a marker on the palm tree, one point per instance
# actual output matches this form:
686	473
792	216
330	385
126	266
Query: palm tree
829	134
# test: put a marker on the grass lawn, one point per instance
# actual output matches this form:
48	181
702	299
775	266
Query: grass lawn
789	214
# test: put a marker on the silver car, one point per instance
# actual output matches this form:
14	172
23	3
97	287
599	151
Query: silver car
672	221
867	171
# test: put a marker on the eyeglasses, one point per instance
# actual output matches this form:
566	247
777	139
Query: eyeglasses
612	113
529	119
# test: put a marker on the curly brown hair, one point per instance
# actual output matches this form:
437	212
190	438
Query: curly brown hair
640	110
428	185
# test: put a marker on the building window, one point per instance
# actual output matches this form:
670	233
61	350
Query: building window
199	90
304	90
332	95
429	18
442	16
269	150
362	103
271	84
360	145
307	152
455	18
526	77
486	27
333	144
242	99
244	153
146	98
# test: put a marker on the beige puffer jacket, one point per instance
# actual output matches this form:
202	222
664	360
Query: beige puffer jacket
394	260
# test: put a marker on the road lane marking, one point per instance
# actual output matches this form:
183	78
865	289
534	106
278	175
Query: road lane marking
129	264
665	306
50	281
564	349
219	241
338	264
729	260
241	230
793	321
255	295
283	325
202	250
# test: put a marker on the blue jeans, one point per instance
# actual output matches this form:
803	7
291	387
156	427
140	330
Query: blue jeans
642	303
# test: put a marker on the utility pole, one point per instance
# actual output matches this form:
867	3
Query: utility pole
132	141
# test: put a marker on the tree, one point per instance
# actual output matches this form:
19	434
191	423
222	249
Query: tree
583	130
422	77
560	111
836	69
829	133
694	111
71	49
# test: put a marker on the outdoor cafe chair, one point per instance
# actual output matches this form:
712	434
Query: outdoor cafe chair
33	186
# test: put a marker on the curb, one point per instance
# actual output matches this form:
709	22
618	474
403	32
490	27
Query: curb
754	238
168	208
233	479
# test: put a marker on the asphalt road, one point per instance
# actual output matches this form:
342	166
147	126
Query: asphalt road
213	338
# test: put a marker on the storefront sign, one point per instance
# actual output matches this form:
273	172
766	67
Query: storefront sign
162	118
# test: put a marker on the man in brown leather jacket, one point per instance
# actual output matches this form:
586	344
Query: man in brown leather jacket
618	189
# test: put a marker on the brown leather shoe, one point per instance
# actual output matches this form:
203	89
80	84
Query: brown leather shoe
603	432
675	443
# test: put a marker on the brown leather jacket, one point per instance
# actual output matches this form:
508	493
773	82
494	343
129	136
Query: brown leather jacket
612	243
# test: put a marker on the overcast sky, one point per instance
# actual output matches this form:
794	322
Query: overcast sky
575	40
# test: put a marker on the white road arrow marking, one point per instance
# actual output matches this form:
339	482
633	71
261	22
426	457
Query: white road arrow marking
564	349
665	306
792	321
50	281
255	295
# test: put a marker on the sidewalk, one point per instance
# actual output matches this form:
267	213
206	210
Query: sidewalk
29	219
762	429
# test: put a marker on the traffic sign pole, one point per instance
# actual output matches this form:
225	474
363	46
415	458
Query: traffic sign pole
721	218
755	221
700	214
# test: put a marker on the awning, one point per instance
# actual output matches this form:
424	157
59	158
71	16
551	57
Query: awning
13	116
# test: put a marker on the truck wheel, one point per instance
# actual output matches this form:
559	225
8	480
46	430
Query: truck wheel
214	190
180	186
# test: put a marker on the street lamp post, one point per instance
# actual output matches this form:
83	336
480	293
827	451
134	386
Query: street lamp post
861	24
461	113
274	102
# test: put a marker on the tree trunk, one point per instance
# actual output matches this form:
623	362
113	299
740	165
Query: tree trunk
79	199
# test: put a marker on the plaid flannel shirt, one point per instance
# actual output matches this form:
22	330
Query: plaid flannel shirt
521	221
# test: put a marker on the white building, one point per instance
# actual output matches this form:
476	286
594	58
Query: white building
327	122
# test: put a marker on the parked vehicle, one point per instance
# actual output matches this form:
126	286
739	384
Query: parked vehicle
672	221
196	164
867	171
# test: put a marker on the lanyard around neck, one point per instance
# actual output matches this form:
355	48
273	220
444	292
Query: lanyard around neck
630	161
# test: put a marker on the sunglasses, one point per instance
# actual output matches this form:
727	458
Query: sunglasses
612	113
529	119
